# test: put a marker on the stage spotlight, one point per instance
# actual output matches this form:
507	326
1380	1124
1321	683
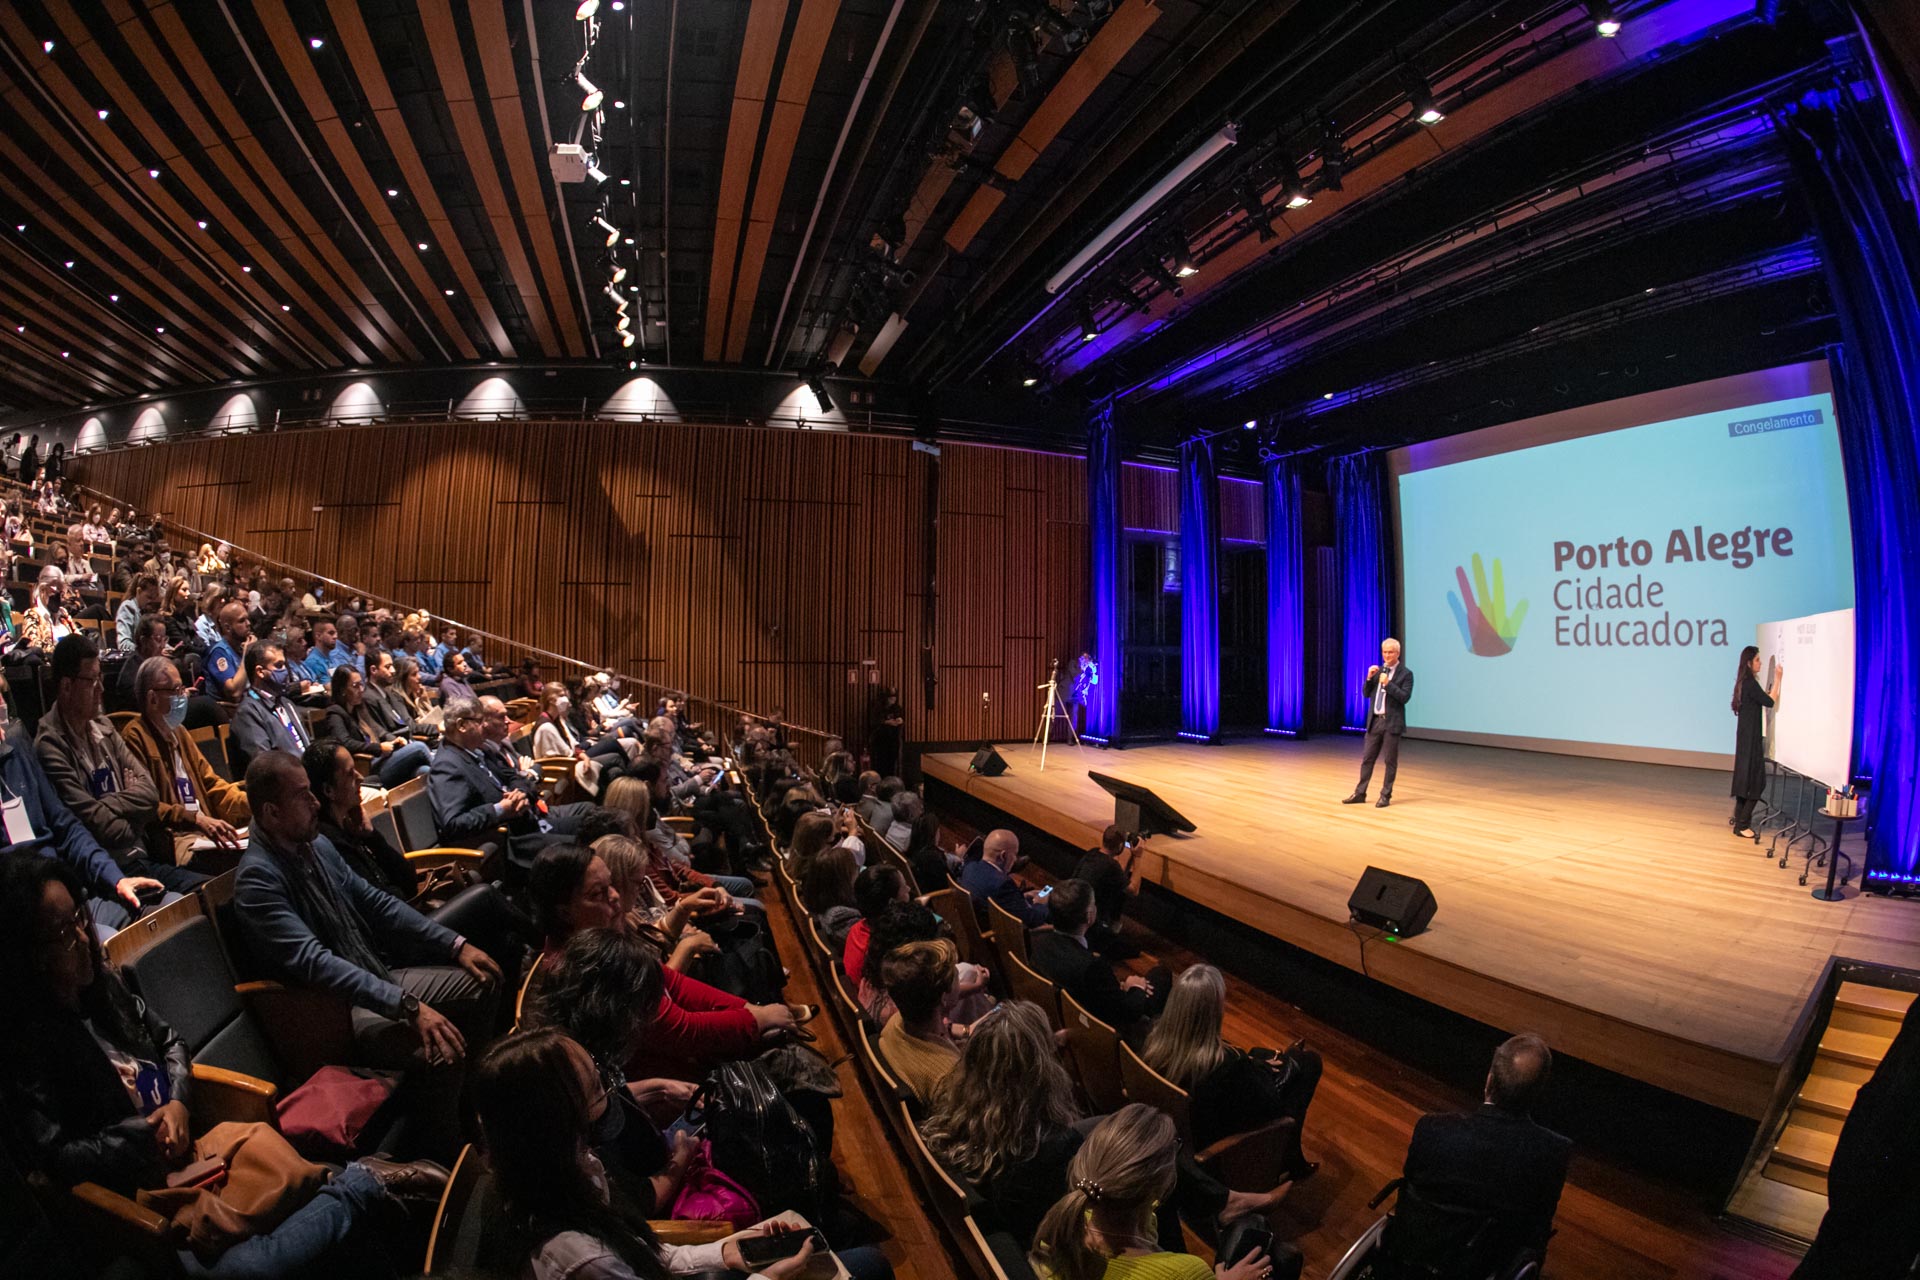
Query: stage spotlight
1420	96
623	323
1249	424
1247	192
613	232
1089	327
633	364
618	6
597	174
1333	157
619	273
819	388
626	339
1183	265
1026	57
585	9
1030	380
1605	21
1163	277
592	94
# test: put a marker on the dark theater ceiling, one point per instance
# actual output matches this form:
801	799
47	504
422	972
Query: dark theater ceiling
1356	220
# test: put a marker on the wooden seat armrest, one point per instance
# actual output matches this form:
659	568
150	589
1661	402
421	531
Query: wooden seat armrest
680	822
120	1213
1251	1161
690	1230
220	1094
307	1028
448	854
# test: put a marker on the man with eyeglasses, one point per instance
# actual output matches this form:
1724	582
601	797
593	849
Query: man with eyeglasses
97	777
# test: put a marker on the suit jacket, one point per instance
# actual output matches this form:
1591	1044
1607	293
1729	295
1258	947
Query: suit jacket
256	728
1495	1161
118	817
284	943
1086	976
986	883
1399	689
225	800
464	792
388	709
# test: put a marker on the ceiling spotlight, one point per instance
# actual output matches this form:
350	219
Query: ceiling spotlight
613	232
21	227
1183	264
633	364
818	386
285	307
201	223
619	104
1328	395
46	46
594	171
69	264
626	339
153	173
160	328
626	182
1029	381
1249	424
1420	95
103	113
315	42
1089	327
1247	192
1605	21
619	273
114	297
247	269
1333	156
592	95
1163	277
618	6
447	293
585	9
393	193
628	240
624	323
64	355
421	246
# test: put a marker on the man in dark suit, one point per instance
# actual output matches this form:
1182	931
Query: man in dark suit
1496	1161
265	720
988	879
1062	955
1388	687
469	804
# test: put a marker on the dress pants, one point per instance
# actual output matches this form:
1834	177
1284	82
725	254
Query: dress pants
1385	747
1743	811
431	1093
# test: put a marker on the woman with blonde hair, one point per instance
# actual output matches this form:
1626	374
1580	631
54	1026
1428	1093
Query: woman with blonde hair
1106	1226
1229	1092
679	943
47	620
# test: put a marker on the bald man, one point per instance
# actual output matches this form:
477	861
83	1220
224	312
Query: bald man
1388	687
990	880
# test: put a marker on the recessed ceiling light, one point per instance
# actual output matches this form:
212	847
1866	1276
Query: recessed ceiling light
160	328
285	307
619	104
21	227
315	42
46	46
103	113
201	223
628	240
626	182
1327	396
64	355
448	292
246	267
113	297
153	173
393	193
422	246
69	264
19	328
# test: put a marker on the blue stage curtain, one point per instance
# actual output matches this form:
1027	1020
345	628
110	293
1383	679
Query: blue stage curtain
1199	590
1286	598
1358	482
1870	241
1104	576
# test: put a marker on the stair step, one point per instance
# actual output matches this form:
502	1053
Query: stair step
1816	1119
1861	1048
1834	1097
1805	1148
1794	1176
1839	1072
1884	1001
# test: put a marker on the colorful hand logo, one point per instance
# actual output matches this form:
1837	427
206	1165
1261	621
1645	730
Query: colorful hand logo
1485	626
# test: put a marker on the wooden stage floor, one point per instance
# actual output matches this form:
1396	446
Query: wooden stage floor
1601	903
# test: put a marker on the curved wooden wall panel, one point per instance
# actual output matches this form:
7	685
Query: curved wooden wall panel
757	567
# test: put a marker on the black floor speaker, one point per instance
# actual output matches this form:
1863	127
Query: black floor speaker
1388	900
988	763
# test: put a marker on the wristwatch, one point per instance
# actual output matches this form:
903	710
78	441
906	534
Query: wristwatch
410	1006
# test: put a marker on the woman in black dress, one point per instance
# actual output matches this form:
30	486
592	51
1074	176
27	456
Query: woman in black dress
1750	738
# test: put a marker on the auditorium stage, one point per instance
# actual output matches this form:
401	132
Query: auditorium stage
1602	903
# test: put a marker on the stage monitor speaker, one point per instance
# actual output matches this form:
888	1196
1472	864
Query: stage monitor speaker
1138	811
988	763
1388	900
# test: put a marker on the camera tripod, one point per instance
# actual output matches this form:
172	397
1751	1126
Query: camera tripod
1053	708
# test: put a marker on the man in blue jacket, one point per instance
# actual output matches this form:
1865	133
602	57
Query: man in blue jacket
420	993
990	879
36	819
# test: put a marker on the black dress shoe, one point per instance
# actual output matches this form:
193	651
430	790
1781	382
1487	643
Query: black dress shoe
1358	797
421	1180
1383	802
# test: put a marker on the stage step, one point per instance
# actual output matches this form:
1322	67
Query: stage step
1861	1048
1847	1073
1780	1171
1826	1095
1873	1010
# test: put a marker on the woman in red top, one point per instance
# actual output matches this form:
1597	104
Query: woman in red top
696	1026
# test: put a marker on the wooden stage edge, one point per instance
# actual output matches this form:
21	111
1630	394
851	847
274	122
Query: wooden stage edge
1601	903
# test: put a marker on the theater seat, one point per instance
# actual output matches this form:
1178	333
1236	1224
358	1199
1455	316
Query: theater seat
184	977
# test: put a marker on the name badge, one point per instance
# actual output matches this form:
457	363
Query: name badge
101	781
13	810
184	789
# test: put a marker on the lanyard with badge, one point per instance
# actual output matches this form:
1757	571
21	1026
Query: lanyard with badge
182	783
13	812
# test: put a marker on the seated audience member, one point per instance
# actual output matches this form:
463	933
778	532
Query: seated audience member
540	1101
990	879
265	719
682	944
1104	1227
876	801
327	645
469	804
1496	1160
932	866
672	870
917	1041
309	669
176	606
453	680
1109	869
1062	954
96	775
205	627
46	620
350	723
413	694
1228	1092
143	599
100	1089
876	888
695	1026
827	893
195	802
479	911
420	992
226	668
149	641
908	806
161	565
812	833
79	562
385	703
514	770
